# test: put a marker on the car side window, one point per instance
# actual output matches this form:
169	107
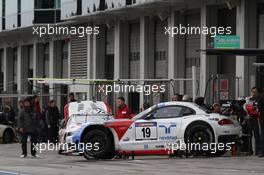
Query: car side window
168	112
187	111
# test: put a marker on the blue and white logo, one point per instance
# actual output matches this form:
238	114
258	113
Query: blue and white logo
167	129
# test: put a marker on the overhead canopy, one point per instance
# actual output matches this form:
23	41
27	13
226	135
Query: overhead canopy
242	52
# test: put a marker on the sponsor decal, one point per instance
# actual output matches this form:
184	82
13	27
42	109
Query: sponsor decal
167	129
146	124
146	131
168	138
126	139
214	119
160	146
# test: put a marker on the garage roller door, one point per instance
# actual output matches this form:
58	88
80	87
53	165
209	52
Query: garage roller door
65	60
78	57
192	57
161	58
161	50
134	50
110	41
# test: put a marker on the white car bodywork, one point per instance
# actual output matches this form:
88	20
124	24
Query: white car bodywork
171	129
84	113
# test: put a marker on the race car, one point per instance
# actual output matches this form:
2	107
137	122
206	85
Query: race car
154	130
7	134
81	113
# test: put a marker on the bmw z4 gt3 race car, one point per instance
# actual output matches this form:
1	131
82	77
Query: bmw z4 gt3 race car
158	130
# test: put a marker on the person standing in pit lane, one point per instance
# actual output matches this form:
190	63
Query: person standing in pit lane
66	107
27	124
123	111
252	108
52	120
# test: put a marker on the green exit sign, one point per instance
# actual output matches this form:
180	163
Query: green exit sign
227	42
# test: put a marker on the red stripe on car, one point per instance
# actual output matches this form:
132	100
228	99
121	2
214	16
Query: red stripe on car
120	126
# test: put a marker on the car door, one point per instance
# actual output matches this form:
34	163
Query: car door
161	125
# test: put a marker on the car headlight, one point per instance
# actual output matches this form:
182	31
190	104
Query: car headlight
71	133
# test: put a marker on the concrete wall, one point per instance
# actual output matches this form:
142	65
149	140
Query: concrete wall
175	67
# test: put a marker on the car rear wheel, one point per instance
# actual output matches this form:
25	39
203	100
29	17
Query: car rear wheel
102	146
198	139
8	136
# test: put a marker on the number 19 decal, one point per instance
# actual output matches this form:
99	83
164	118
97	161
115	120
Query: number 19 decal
146	131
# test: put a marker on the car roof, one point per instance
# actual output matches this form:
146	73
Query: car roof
191	105
181	103
198	109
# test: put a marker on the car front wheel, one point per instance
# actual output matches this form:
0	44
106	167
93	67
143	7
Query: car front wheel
102	146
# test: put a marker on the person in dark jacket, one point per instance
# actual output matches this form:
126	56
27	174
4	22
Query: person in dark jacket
52	121
252	108
27	124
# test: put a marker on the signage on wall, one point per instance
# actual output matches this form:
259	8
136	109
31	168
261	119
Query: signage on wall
224	85
227	42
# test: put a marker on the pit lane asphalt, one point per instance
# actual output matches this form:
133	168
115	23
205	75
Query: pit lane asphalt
52	163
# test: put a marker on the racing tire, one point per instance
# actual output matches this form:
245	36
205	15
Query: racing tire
199	135
104	145
8	136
